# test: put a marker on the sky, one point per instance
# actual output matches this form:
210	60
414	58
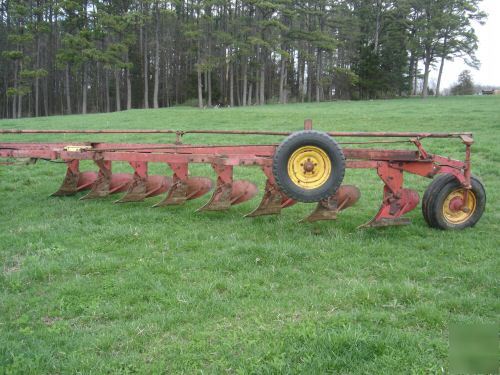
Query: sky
488	52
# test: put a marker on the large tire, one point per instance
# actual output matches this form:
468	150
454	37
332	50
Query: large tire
309	166
441	212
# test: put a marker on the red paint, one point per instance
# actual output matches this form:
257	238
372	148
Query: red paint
456	204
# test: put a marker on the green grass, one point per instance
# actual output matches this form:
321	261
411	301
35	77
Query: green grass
95	287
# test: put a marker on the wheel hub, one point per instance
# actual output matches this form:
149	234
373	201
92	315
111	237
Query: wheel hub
454	209
309	167
456	204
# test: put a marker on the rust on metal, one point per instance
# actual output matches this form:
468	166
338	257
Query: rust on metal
101	186
222	195
327	209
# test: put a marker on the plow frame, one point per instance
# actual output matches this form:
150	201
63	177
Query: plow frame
390	165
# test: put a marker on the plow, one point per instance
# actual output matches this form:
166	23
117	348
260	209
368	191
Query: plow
306	166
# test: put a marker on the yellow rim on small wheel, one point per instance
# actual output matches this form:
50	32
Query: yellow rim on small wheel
309	167
453	210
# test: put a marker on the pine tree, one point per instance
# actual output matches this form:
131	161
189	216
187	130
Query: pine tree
79	56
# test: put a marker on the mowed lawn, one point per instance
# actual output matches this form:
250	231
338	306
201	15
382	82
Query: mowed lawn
95	287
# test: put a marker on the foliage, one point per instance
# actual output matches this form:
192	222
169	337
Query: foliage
224	51
465	85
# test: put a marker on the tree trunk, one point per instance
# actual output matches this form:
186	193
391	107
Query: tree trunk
166	83
14	103
282	79
427	66
146	70
231	85
37	79
68	94
309	80
85	88
117	89
377	26
46	96
445	47
245	81
157	58
209	88
205	82
208	73
106	82
237	89
129	91
438	86
250	86
262	99
20	96
200	88
411	70
20	106
200	79
318	77
301	68
415	79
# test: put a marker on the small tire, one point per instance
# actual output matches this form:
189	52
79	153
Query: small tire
442	199
431	192
309	166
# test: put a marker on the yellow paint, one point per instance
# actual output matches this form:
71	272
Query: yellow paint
77	148
459	216
309	167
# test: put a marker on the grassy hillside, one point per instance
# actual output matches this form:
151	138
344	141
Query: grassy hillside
95	287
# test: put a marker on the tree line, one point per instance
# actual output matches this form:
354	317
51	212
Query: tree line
80	56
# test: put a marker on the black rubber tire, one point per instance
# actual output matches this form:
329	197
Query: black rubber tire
308	138
431	192
435	196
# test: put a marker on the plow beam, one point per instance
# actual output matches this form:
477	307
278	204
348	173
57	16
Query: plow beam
396	201
327	209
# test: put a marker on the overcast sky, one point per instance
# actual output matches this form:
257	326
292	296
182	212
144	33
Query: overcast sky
488	52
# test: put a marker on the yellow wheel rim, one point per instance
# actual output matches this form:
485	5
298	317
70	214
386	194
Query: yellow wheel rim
452	206
309	167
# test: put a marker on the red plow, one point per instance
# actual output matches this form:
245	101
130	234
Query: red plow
307	166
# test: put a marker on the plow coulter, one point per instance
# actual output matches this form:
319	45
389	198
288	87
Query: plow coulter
306	166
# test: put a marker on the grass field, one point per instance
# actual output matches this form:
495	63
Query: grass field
94	287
